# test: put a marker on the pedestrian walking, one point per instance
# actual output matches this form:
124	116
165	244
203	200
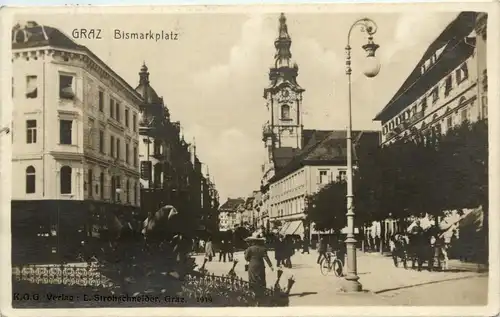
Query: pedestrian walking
209	250
230	250
305	246
255	255
321	249
222	251
278	251
289	251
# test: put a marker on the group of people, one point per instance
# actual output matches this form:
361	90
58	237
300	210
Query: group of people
225	248
284	249
420	246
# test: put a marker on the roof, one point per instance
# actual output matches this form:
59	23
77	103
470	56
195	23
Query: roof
34	35
324	148
232	204
417	84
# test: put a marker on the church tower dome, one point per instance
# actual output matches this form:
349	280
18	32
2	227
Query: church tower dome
144	88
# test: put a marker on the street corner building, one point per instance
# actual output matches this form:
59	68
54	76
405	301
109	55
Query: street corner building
80	135
171	171
300	161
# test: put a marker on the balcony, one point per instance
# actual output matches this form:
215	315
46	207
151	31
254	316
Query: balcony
267	132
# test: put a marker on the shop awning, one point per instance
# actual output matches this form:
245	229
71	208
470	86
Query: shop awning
284	228
295	228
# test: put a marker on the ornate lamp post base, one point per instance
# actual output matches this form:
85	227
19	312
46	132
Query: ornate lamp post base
351	283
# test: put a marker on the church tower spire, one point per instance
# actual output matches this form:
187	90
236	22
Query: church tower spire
282	44
144	75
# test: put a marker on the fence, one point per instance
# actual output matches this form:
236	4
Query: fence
84	274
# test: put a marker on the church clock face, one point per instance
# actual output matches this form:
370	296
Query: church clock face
286	95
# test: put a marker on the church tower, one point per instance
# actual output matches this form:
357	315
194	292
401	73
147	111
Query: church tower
283	99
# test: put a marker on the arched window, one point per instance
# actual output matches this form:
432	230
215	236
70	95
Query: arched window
30	180
285	112
65	180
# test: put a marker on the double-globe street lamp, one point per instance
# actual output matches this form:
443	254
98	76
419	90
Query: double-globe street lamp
372	69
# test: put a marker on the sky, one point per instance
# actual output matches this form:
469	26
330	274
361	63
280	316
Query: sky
212	78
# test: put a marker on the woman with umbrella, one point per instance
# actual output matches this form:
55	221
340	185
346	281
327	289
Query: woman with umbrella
255	255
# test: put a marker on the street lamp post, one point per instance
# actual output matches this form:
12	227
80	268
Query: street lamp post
370	27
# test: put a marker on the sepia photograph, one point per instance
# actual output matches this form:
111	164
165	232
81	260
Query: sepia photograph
262	158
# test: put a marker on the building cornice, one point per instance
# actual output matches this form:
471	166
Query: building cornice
59	155
92	62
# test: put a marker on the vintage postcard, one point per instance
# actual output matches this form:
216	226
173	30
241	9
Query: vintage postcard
303	160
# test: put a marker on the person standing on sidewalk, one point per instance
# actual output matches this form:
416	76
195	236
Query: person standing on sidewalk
305	246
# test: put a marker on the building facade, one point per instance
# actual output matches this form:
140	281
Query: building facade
448	86
229	214
444	88
72	130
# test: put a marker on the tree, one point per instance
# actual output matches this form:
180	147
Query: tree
327	208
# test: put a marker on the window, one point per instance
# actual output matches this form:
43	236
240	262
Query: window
112	146
111	108
66	89
30	131
90	181
449	122
285	112
126	118
30	180
464	115
101	101
342	175
134	122
136	193
65	131
31	87
118	110
127	153
65	180
101	185
462	73
118	143
448	85
323	177
435	94
135	156
101	141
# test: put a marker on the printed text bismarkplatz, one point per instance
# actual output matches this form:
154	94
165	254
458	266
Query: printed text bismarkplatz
98	34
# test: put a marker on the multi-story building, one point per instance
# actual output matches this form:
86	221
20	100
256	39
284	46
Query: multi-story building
300	161
171	172
74	139
442	90
229	216
447	87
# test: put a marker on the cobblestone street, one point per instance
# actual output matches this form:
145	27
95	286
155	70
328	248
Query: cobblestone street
386	284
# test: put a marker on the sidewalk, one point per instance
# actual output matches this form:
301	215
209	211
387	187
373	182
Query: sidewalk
387	285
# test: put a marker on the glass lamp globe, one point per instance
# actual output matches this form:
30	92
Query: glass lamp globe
371	66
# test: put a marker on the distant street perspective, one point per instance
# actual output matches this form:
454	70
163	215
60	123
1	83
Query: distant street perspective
115	203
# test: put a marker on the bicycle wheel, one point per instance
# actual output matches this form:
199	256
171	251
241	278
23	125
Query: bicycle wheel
325	266
338	268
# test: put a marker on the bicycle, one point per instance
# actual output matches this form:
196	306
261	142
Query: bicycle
331	262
